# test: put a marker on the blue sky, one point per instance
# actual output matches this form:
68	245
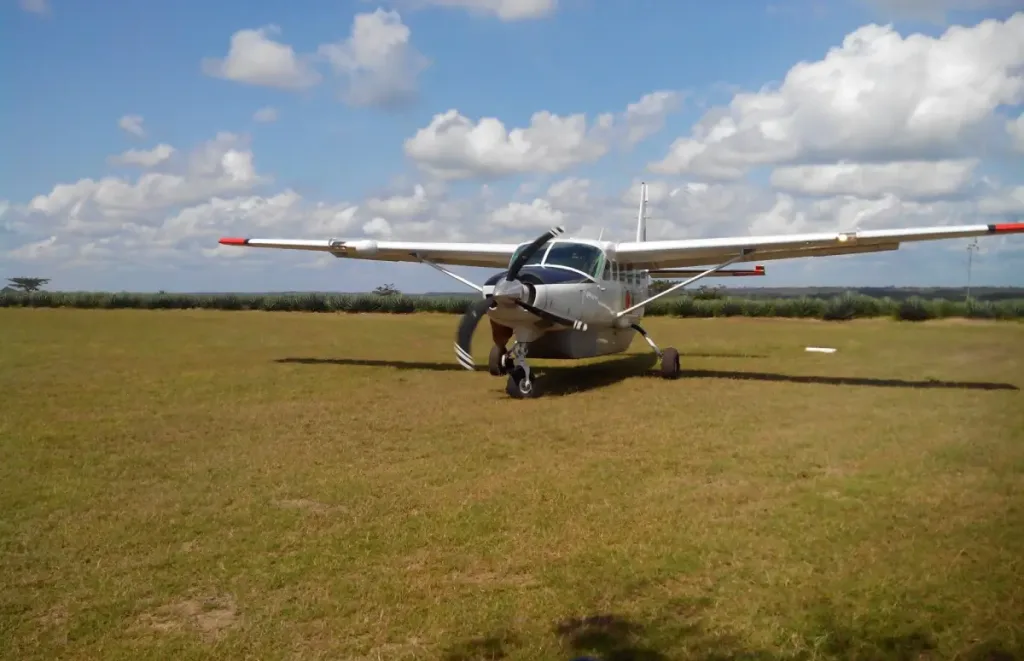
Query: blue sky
341	132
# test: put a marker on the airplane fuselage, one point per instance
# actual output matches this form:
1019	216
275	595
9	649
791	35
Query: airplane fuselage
576	279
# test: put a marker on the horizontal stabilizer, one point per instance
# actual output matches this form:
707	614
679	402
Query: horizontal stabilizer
675	273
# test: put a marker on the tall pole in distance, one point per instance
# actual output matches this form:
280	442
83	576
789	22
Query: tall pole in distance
971	248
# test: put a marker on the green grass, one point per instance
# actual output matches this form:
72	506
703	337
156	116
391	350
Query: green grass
219	485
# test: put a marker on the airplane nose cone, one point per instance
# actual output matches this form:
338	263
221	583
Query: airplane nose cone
505	291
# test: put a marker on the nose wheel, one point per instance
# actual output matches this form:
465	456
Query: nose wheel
520	384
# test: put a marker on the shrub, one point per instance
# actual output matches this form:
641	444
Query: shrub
914	309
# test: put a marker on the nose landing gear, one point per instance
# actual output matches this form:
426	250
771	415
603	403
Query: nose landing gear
520	384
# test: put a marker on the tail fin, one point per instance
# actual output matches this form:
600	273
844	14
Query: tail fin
641	221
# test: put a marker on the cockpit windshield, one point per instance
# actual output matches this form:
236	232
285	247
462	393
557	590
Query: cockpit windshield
535	258
579	256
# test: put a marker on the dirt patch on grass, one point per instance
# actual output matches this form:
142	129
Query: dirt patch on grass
209	616
491	579
303	504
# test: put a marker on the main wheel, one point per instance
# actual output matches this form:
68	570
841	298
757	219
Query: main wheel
517	388
496	362
670	363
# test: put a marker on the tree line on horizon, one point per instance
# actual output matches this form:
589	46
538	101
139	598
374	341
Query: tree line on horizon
703	301
702	292
710	303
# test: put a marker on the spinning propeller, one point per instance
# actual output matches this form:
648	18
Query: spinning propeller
510	291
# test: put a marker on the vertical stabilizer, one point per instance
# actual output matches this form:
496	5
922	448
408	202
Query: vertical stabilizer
641	221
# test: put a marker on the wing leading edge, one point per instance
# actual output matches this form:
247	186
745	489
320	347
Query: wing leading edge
697	252
648	255
496	255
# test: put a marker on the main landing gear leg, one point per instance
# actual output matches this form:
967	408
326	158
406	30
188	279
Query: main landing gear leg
520	383
669	357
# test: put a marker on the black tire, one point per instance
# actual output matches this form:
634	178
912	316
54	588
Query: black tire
494	362
514	386
670	363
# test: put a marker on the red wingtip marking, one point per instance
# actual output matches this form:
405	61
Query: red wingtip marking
232	241
1010	227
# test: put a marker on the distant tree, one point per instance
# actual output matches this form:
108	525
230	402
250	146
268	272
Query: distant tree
706	293
658	286
386	290
702	293
27	284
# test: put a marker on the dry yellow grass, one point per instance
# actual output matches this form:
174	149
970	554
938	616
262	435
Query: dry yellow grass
295	486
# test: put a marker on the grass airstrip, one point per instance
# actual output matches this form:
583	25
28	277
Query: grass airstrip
221	485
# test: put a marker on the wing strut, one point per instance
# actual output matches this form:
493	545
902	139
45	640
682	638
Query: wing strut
744	253
450	274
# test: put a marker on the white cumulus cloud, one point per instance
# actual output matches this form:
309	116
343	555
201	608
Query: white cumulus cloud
936	11
454	146
145	158
378	61
41	7
265	115
879	97
538	214
255	59
506	10
132	124
909	179
222	166
1016	130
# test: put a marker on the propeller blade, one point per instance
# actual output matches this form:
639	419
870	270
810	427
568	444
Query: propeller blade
528	252
553	318
464	333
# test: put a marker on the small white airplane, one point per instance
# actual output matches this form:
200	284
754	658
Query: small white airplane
566	298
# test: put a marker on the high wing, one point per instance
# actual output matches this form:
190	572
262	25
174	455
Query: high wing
496	255
655	255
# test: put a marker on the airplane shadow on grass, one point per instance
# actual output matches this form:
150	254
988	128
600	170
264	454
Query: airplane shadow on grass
557	379
574	378
681	631
847	380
